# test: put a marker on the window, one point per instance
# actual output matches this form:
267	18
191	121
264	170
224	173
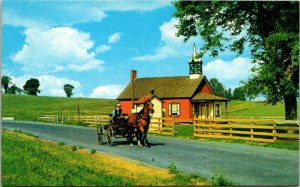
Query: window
174	109
217	110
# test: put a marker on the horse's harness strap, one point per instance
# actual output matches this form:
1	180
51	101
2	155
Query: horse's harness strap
144	117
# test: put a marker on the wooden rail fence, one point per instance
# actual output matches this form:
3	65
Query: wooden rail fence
162	126
247	129
48	118
91	120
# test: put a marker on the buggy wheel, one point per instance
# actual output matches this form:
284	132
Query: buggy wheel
109	135
100	133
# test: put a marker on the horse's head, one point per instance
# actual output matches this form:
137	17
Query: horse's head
149	107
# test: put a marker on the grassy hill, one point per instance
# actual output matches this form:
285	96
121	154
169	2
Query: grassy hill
255	109
24	107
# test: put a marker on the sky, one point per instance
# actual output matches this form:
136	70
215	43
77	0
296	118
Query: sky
93	45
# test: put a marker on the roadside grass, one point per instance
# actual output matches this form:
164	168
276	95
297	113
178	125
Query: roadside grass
29	161
186	131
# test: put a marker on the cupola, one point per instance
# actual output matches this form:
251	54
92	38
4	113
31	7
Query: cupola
195	65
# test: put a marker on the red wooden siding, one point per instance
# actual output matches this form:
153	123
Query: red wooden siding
206	89
126	106
185	108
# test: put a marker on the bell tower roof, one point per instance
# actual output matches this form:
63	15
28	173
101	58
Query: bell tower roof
194	52
195	58
195	64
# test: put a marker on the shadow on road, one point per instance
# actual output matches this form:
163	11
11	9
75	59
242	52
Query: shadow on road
125	143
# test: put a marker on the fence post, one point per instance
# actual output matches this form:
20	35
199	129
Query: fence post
251	130
160	124
195	127
274	131
173	126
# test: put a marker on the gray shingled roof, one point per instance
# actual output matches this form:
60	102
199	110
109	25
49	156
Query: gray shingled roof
164	87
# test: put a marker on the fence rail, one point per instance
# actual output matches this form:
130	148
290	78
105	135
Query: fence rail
162	126
267	130
48	118
91	120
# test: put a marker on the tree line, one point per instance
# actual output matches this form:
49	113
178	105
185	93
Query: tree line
238	93
31	87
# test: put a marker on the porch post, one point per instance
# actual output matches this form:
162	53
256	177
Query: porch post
206	111
226	109
213	109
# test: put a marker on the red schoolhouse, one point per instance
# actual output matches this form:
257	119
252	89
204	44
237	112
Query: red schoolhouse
181	97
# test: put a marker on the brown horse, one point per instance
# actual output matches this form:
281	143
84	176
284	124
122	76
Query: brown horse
141	122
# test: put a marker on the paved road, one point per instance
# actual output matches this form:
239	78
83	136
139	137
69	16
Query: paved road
243	164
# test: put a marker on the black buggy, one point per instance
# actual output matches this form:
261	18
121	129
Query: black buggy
106	133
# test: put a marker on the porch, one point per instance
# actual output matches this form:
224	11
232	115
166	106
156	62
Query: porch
208	106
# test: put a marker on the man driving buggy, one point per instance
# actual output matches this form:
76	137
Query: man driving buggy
117	114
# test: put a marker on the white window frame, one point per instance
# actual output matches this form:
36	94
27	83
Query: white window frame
174	113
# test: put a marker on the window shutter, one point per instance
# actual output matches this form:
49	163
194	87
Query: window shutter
170	109
178	109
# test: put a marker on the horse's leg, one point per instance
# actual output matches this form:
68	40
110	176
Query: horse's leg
139	138
130	135
145	139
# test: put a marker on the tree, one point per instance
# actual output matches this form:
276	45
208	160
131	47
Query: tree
269	28
218	87
228	93
14	90
239	94
31	86
68	89
5	83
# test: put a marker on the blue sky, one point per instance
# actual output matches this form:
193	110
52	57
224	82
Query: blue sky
93	45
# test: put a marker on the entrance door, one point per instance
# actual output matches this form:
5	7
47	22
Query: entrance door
204	111
196	110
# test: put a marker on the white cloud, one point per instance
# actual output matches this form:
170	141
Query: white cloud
33	14
49	14
56	49
171	45
114	38
103	48
50	85
133	5
107	91
229	73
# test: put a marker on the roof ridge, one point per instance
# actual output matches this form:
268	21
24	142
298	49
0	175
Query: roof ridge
166	77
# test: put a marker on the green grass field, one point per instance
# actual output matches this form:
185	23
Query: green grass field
255	109
30	161
30	107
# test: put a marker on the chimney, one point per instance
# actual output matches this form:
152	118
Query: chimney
132	74
132	78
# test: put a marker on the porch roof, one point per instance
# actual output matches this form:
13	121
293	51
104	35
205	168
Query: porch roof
207	97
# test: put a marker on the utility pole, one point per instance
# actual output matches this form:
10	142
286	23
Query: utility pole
78	106
62	118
